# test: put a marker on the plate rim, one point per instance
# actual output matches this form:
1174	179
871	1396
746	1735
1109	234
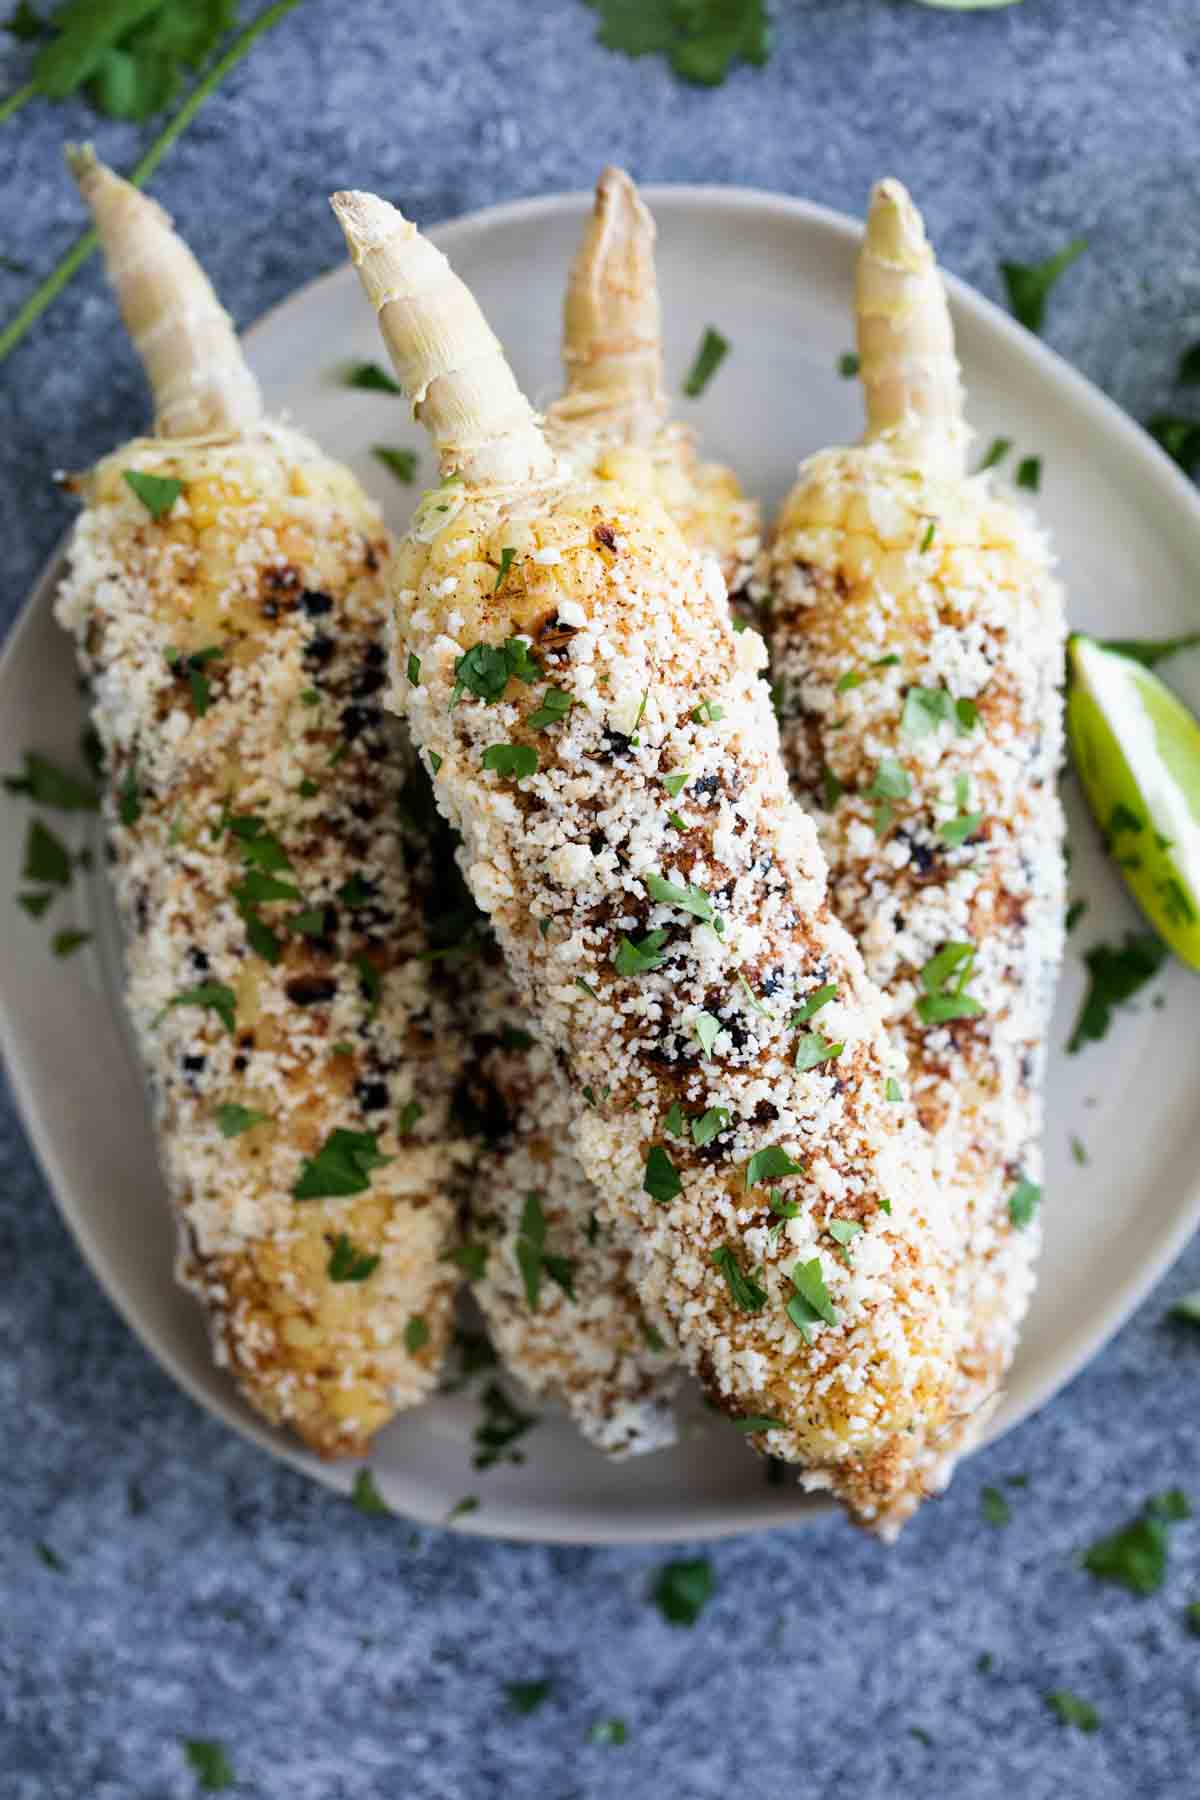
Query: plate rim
1134	443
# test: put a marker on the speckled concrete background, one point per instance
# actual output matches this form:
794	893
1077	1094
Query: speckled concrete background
206	1592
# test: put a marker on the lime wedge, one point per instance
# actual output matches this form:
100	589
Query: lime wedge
1137	750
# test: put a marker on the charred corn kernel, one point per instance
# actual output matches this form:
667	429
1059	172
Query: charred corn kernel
799	1254
916	636
225	593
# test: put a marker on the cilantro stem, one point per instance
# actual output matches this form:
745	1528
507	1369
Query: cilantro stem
79	252
9	107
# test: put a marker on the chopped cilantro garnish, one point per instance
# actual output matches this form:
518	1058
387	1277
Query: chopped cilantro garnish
675	1124
661	1178
532	1256
212	995
369	375
1023	1202
812	1049
402	463
342	1166
998	449
707	1031
50	1558
309	696
683	1589
607	1731
554	707
347	1263
810	1304
994	1506
638	959
653	1339
831	788
367	1497
1075	912
927	708
48	785
515	760
585	987
1079	1153
370	982
209	1764
308	789
746	1294
690	899
1029	473
259	847
35	904
676	822
709	1125
157	493
500	1427
1029	284
65	943
844	1231
675	784
847	364
435	761
1072	1710
757	1423
485	670
892	781
1136	1556
928	537
707	713
129	799
233	1119
944	979
256	886
413	670
770	1164
708	358
1116	974
47	858
468	1504
851	679
1187	1309
507	557
892	1089
470	1258
526	1696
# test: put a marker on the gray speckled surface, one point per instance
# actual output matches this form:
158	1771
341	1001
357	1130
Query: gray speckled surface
209	1593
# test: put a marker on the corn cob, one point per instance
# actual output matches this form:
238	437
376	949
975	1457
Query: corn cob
783	1219
916	633
225	588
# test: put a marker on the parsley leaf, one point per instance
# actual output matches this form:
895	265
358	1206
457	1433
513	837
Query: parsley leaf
1116	974
709	1125
708	358
517	760
1072	1710
892	1089
831	788
661	1178
233	1119
1029	284
701	38
690	899
346	1263
65	943
812	1049
35	904
944	978
927	708
638	959
1023	1202
675	784
48	785
157	493
410	1112
555	705
471	1259
507	558
770	1164
746	1294
214	996
759	1422
1134	1557
683	1589
892	780
47	858
485	670
810	1304
402	463
342	1166
209	1763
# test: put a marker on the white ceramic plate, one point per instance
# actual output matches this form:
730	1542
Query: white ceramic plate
775	276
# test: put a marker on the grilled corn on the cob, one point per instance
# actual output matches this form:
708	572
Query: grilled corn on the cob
573	677
225	587
916	633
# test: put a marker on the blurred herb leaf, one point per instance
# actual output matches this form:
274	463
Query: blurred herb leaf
702	39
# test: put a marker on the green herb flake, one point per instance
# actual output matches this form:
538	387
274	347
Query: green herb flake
401	463
1079	1153
810	1304
553	709
515	760
745	1292
1134	1557
927	539
213	996
892	1089
471	1258
34	904
711	354
157	493
1071	1710
847	365
416	1334
709	1125
370	377
413	670
526	1696
994	1506
925	709
761	1423
1023	1203
50	1559
682	1589
944	979
209	1763
1186	1310
1029	284
468	1504
507	558
65	943
661	1178
233	1120
486	669
892	781
675	784
831	788
675	1124
1029	473
342	1166
639	959
770	1164
500	1428
812	1049
47	858
997	450
707	713
608	1731
689	899
347	1263
707	1030
1116	974
844	1231
676	822
366	1496
435	761
45	784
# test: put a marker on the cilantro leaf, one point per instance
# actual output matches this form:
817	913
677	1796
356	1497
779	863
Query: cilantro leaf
212	995
708	358
367	1497
554	707
342	1166
516	760
701	38
507	557
608	1731
233	1119
471	1259
707	1030
810	1304
1134	1557
416	1334
683	1589
346	1263
690	899
1029	284
1186	1311
371	377
1072	1710
531	1240
65	943
526	1696
35	904
485	670
998	449
995	1507
892	780
209	1763
847	364
927	708
759	1422
675	784
944	978
157	493
1179	437
1029	473
402	463
770	1164
709	1125
816	1000
746	1294
813	1049
48	785
47	858
1023	1203
638	959
1116	973
661	1178
502	1424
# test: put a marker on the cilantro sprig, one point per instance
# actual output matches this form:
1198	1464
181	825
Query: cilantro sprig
944	979
701	39
1116	973
343	1165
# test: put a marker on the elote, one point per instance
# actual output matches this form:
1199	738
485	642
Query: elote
916	636
225	587
572	677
